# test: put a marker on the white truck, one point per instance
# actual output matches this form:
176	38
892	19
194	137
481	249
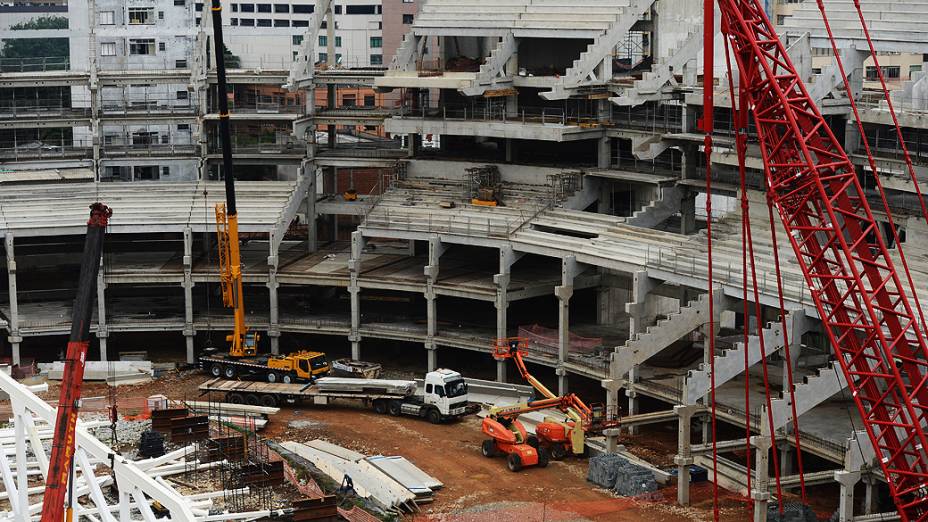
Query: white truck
443	396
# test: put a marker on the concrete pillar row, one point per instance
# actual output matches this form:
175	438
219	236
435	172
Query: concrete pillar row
354	290
102	329
189	330
569	271
684	457
637	309
761	492
507	257
14	338
847	480
273	331
436	249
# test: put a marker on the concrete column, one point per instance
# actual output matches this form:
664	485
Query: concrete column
612	410
563	293
413	142
311	215
332	103
690	159
761	492
189	331
870	495
14	338
509	149
786	459
436	249
688	211
847	480
102	330
273	330
604	153
354	290
507	257
642	285
684	457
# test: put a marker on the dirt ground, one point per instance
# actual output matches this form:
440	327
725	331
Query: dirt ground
476	488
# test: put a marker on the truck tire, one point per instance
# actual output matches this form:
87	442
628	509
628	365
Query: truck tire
236	398
268	400
380	406
286	378
252	399
215	370
395	408
514	462
543	457
488	448
229	371
272	377
434	416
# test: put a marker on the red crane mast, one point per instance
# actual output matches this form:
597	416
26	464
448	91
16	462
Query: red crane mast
860	299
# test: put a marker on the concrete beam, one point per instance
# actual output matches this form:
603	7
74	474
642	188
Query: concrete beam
14	338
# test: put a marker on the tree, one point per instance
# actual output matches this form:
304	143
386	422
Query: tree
37	47
232	61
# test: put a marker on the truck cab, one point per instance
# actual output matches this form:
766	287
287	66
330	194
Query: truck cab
446	390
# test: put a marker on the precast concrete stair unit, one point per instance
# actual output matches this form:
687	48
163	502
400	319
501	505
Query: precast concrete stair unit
657	210
549	18
656	338
816	389
651	84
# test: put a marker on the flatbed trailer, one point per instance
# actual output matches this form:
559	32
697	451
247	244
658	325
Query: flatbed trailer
371	396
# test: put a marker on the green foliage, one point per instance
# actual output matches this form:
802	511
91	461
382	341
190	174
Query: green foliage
232	61
37	47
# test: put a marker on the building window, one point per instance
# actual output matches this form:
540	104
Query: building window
161	46
300	23
198	7
369	100
108	49
234	8
180	64
264	8
183	127
338	58
323	57
360	9
247	8
197	21
142	46
376	59
247	22
264	23
107	17
302	9
349	100
281	8
180	2
281	23
376	42
914	69
338	9
407	19
890	72
409	1
234	21
165	171
338	41
323	40
182	95
297	39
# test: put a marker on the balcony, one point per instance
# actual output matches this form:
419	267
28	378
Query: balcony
39	150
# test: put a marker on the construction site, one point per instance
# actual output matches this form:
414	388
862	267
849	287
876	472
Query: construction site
464	260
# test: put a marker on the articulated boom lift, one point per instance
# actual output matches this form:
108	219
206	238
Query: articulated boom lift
861	301
61	459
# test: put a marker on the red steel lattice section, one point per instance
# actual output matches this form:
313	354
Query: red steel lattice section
863	306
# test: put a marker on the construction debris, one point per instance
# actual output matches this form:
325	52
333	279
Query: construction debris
113	372
792	512
351	368
613	472
151	444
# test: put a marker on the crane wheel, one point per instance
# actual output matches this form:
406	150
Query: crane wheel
558	451
514	462
252	399
272	377
532	440
229	371
236	398
434	416
395	408
215	370
380	406
287	379
488	448
543	457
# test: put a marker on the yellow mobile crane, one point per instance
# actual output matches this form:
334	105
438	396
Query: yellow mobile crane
242	359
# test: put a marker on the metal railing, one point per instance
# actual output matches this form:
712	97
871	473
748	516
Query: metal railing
42	107
148	105
41	64
522	115
74	149
148	149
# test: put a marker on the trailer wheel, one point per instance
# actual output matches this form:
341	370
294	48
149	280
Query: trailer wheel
252	399
236	398
488	448
272	377
514	462
287	378
380	406
229	371
395	408
268	400
543	457
434	416
215	370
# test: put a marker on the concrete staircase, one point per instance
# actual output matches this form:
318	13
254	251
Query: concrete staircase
652	83
405	57
584	67
815	390
656	338
657	210
493	70
730	363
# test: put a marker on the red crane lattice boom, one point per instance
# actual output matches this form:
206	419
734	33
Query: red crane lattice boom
863	305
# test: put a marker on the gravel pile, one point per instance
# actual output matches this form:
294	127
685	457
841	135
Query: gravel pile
613	472
792	512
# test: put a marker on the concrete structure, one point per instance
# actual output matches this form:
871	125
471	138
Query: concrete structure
589	120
